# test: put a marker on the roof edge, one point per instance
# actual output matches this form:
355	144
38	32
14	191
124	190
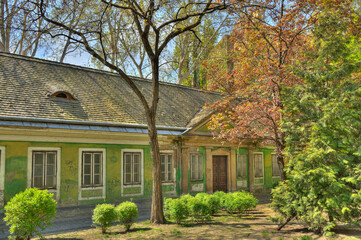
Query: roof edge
89	123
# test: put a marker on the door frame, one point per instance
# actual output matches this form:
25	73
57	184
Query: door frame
2	175
226	170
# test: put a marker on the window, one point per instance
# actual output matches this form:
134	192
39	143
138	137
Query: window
62	94
132	167
44	169
258	165
241	165
167	167
275	167
92	172
196	167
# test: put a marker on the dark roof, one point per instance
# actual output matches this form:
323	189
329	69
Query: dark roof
26	86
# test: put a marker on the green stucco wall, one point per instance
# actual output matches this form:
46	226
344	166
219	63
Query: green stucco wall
17	161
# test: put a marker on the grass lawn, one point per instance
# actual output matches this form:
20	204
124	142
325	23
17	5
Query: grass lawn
253	225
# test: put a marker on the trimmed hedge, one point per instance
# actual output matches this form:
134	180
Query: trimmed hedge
203	205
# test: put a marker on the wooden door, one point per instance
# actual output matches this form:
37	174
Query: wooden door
220	173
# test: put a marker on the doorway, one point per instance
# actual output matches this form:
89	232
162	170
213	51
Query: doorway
220	173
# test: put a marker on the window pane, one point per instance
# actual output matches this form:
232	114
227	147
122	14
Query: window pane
87	158
38	182
193	167
87	180
38	170
50	170
242	165
258	165
275	167
128	178
87	169
50	157
38	158
96	168
97	158
162	166
96	179
200	167
50	182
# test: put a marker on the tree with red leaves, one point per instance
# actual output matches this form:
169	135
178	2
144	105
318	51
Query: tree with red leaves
266	43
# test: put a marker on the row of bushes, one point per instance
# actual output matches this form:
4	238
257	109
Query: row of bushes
105	215
28	213
203	205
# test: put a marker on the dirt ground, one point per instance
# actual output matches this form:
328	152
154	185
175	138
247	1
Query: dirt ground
254	225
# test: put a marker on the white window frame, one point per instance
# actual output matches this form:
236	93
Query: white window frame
89	188
166	168
2	174
254	168
190	167
56	191
141	185
238	162
279	172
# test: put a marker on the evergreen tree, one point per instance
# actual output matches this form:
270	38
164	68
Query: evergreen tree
323	127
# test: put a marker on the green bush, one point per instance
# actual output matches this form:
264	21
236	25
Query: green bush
175	209
127	212
104	215
221	196
186	198
239	202
202	196
30	212
213	202
198	210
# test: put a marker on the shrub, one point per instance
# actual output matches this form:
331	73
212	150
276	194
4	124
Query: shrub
186	198
239	202
213	202
221	196
104	215
127	212
176	210
202	196
30	212
198	210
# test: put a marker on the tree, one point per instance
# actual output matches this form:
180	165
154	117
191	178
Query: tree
157	23
266	41
193	48
20	30
323	128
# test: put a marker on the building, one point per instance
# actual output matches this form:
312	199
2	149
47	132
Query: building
81	134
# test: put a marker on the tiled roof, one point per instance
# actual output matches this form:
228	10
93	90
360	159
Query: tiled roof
27	83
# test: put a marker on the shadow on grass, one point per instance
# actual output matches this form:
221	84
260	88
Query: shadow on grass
63	238
132	230
353	231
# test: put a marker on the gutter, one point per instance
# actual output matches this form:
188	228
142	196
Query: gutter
89	123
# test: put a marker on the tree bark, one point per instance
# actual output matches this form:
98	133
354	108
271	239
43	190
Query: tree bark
157	216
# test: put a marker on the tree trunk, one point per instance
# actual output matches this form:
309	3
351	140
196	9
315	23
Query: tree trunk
157	216
281	161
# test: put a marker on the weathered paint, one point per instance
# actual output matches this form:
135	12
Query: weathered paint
16	170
